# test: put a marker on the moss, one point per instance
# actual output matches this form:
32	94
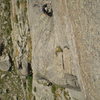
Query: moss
54	89
11	78
58	49
7	10
29	78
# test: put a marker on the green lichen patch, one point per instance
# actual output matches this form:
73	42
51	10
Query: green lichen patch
29	87
10	84
58	91
54	89
58	50
5	17
29	78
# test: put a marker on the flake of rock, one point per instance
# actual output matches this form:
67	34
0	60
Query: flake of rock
2	76
24	69
4	63
4	90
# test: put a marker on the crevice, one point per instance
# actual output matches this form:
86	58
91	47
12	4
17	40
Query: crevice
11	62
1	48
63	62
20	65
46	10
29	69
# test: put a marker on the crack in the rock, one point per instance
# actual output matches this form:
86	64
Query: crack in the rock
63	61
48	11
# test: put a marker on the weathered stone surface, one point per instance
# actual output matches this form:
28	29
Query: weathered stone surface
23	67
10	82
64	51
68	27
45	39
4	63
51	46
85	19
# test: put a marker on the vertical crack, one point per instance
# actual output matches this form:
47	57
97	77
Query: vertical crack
63	61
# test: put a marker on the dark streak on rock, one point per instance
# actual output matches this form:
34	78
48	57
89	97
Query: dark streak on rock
47	11
63	62
66	47
11	61
29	68
20	65
1	48
49	84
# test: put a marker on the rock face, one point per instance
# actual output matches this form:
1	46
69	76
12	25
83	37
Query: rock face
52	47
51	60
45	60
58	40
86	29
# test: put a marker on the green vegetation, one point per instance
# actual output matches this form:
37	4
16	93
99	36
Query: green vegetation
29	87
29	78
58	49
6	28
5	19
11	79
54	89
